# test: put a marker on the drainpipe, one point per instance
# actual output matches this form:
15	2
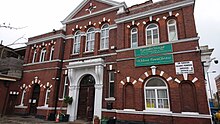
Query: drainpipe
59	73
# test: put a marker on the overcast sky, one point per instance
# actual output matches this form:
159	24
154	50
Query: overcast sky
42	16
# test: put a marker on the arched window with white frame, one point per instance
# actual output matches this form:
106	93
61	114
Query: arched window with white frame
90	40
76	44
43	54
172	30
22	97
104	42
34	55
47	97
152	34
156	94
51	53
134	38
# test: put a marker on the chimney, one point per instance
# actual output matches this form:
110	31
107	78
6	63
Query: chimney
1	42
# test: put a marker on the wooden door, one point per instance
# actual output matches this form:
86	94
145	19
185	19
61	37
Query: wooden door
86	99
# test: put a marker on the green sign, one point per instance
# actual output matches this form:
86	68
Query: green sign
153	50
154	60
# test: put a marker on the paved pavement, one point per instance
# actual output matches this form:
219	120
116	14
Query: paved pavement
25	120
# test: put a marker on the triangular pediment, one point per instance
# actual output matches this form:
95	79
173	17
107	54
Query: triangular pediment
88	7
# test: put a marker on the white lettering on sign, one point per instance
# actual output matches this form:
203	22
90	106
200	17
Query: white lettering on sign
185	67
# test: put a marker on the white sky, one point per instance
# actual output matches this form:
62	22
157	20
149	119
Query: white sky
42	16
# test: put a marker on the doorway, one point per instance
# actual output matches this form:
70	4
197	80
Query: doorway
34	99
86	98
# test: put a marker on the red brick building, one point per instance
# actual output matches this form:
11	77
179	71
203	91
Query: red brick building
137	64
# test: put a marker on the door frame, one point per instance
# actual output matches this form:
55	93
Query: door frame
76	71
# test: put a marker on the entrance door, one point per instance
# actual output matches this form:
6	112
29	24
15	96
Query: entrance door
34	99
86	98
11	104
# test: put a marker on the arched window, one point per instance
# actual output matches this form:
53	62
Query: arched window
104	43
51	52
76	44
34	56
152	34
47	97
134	38
90	40
42	55
23	97
172	30
156	94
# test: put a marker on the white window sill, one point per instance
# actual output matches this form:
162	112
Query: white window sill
110	99
74	54
190	113
87	52
158	110
61	99
105	49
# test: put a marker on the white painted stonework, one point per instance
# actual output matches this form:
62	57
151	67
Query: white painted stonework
76	71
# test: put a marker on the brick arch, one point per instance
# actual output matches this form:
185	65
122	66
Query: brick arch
186	77
35	81
127	80
155	72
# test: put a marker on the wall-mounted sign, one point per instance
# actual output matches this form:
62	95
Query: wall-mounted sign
153	50
185	67
154	60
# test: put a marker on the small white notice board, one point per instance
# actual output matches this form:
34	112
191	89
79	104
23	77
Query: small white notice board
185	67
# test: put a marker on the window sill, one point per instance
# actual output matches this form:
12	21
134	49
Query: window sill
106	49
61	99
110	99
158	110
87	52
75	54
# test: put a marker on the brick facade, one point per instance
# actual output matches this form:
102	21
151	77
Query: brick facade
186	93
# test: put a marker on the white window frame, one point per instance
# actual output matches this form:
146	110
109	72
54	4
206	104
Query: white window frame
104	38
169	25
90	40
22	98
111	82
156	97
51	53
34	55
76	44
42	54
134	33
65	86
47	97
152	34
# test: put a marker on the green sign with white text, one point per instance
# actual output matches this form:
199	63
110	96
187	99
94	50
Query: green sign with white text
154	60
167	48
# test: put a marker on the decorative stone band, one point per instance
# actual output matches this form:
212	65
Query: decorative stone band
161	113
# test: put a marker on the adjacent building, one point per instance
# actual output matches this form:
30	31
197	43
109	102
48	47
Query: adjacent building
137	64
11	63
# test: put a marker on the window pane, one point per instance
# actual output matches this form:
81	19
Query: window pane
111	90
162	93
151	26
150	94
155	82
151	103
